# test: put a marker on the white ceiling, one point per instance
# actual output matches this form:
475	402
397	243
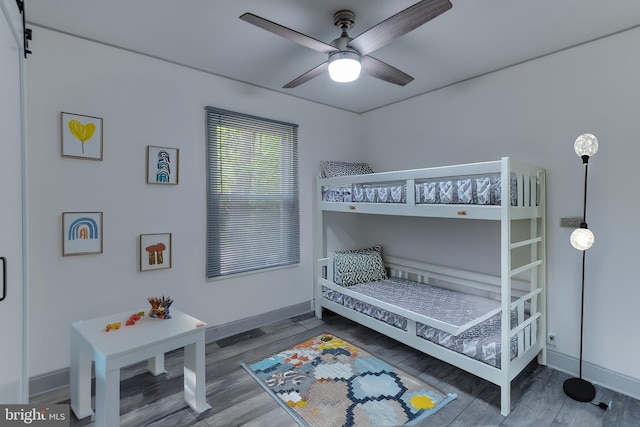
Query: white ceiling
473	38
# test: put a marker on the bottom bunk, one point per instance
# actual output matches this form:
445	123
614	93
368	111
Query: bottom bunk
453	315
480	342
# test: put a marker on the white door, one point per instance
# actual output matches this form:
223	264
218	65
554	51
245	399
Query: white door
13	385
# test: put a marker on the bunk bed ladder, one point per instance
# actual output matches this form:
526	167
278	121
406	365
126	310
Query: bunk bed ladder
527	332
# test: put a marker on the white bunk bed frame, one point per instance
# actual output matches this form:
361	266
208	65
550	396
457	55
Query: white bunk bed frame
530	332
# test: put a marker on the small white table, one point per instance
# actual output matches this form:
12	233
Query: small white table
148	340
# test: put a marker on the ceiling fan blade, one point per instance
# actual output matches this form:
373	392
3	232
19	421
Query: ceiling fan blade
288	33
383	71
398	25
314	72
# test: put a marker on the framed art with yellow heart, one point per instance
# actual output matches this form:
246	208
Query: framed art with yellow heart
81	136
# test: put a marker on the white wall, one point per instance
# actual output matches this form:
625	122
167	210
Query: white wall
534	112
144	101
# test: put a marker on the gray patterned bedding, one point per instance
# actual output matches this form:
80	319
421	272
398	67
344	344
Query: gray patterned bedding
475	190
481	342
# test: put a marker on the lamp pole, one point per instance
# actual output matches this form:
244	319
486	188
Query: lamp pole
582	238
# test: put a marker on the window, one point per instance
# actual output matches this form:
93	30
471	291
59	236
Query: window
252	193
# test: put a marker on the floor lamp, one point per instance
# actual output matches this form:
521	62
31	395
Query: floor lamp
582	238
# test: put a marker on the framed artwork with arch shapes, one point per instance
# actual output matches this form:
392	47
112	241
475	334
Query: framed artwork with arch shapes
155	251
81	233
162	165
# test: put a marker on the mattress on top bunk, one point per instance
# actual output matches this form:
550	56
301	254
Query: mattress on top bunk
481	342
475	190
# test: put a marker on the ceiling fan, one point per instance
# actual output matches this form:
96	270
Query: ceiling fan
349	55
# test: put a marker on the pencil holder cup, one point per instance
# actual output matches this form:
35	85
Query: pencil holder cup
160	307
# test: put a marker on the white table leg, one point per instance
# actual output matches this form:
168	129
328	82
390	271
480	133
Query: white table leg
107	396
80	376
156	365
194	376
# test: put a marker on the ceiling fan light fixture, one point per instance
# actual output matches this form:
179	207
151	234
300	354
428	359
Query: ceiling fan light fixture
344	66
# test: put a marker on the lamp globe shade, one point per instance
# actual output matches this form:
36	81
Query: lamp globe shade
582	239
344	66
586	145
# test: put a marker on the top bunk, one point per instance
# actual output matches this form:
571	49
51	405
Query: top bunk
473	190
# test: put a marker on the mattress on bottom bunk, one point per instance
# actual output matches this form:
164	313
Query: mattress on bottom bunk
474	190
481	342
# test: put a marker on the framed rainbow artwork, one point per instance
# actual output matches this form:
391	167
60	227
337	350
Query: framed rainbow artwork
81	233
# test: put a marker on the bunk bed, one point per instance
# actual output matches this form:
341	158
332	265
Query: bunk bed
464	318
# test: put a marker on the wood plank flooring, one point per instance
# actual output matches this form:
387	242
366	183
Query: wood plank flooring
237	400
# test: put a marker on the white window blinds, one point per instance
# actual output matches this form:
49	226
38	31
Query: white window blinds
252	193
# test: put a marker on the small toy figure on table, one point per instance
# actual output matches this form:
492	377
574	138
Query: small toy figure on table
160	307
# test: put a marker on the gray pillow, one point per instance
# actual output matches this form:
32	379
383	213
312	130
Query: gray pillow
330	168
355	266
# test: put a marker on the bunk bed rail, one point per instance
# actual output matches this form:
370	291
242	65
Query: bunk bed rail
403	191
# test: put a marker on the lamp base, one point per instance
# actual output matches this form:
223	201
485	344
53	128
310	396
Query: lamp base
579	389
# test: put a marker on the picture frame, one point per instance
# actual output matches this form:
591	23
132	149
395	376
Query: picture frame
81	136
155	251
82	233
162	165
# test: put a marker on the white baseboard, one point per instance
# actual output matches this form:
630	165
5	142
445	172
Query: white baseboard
215	333
596	374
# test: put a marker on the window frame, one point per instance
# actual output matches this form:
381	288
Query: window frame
286	248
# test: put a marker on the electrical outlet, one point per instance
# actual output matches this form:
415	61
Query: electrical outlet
551	338
571	222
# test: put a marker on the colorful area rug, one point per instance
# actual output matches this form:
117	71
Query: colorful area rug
326	381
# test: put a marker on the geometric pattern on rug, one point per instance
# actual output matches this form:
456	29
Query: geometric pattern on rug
326	381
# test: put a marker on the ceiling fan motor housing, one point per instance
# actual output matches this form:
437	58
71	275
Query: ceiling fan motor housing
344	54
344	19
344	64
